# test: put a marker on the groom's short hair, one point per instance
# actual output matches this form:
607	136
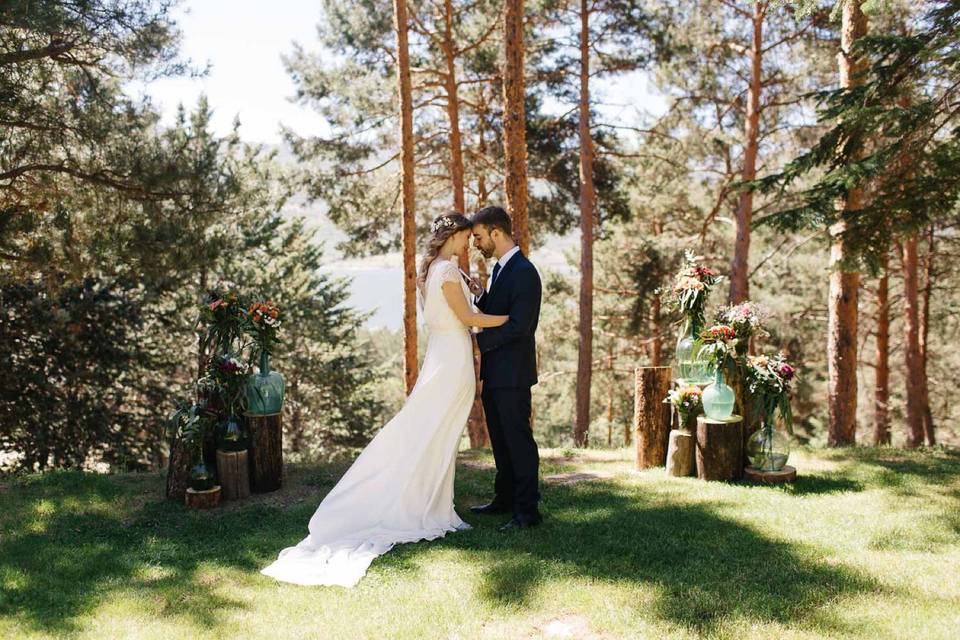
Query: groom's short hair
494	218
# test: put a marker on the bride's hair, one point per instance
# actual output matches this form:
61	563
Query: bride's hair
443	227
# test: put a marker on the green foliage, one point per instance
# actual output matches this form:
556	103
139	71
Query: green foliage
83	378
895	133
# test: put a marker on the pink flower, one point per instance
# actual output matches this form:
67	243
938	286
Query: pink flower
786	371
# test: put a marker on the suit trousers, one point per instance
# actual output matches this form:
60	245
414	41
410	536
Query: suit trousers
514	449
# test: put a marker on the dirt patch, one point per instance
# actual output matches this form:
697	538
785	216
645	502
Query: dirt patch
582	476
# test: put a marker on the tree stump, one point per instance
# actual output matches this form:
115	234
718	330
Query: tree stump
785	475
203	499
651	416
680	454
719	447
178	469
266	452
234	472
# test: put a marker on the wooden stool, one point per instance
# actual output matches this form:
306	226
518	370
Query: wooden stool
203	499
234	472
784	476
719	446
681	461
266	452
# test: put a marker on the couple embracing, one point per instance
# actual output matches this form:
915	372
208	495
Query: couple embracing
400	488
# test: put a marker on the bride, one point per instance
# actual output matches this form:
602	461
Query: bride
400	488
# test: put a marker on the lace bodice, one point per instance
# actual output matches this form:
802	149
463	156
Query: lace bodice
437	314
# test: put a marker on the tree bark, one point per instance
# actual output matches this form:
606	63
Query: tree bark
265	452
911	330
581	431
739	266
881	432
453	115
408	233
514	121
844	280
651	416
476	424
719	449
656	337
928	428
681	459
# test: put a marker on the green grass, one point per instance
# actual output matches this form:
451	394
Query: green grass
865	545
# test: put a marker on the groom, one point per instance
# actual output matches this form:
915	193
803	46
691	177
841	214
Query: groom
508	368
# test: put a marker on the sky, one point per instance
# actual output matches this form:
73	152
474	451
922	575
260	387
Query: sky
242	41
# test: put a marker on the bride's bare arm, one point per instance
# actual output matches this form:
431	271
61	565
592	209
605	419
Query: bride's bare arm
453	292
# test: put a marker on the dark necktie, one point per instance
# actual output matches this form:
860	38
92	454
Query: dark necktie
496	270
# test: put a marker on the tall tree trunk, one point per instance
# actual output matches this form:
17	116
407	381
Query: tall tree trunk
911	328
514	121
925	336
844	280
881	432
656	338
611	387
581	436
476	425
408	233
453	114
739	266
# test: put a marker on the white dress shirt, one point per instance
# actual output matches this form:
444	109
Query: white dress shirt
504	259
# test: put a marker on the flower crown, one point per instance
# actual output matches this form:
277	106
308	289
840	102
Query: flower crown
444	222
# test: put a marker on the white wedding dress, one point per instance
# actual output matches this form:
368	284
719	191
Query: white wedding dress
400	488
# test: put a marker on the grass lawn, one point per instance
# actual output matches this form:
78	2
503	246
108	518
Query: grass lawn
865	545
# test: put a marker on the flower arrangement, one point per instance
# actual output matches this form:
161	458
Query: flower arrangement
224	381
768	379
222	317
691	287
719	345
747	319
687	401
263	324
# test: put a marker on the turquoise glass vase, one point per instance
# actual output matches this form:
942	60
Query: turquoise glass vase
718	398
691	368
265	389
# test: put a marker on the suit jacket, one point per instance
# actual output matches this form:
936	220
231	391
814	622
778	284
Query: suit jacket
509	352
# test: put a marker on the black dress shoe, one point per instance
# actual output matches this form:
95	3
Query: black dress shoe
490	509
522	522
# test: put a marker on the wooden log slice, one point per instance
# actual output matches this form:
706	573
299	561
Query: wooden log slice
203	499
784	476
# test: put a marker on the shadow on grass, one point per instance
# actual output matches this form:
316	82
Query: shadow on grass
70	539
706	568
821	484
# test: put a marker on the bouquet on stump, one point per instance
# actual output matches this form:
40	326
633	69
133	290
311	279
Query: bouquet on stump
688	295
687	401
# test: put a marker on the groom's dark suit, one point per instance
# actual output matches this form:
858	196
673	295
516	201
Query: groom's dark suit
508	368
